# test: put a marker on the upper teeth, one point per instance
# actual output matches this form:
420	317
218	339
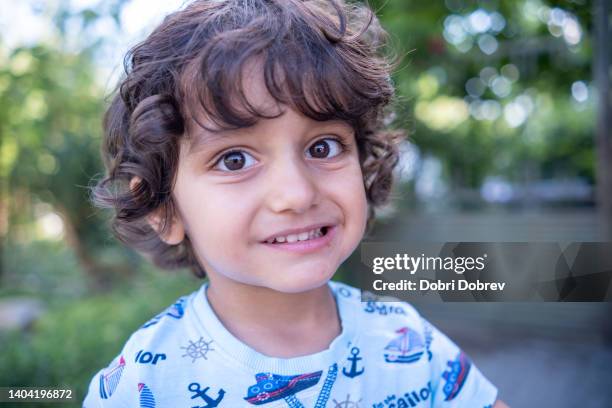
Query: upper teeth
302	236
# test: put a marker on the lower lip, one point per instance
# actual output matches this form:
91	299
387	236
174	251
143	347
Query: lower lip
305	247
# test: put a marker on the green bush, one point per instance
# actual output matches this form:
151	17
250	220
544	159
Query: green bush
72	341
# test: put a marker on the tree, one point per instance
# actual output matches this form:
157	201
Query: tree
601	11
50	121
487	86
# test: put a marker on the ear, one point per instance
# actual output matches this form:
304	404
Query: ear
175	231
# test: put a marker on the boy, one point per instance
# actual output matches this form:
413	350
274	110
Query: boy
246	143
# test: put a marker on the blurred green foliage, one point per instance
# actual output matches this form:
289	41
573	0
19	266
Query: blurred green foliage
546	44
76	339
50	109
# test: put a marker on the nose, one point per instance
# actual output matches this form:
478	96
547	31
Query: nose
292	187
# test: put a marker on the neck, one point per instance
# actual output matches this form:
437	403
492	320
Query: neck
274	323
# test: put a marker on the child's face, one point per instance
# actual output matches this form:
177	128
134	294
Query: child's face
239	193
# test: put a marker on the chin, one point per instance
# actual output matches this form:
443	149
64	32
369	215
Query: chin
303	281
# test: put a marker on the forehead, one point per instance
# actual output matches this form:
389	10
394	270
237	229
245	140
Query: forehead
248	98
289	122
253	101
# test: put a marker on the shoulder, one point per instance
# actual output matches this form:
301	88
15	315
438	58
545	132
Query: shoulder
164	329
122	382
393	336
378	323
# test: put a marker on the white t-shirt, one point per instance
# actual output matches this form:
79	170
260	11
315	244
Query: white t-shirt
387	356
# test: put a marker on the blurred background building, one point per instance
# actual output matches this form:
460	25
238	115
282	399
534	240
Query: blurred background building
508	116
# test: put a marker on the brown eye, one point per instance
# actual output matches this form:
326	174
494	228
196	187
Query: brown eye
325	148
236	160
233	161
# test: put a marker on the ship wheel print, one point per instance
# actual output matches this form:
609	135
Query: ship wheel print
347	403
197	349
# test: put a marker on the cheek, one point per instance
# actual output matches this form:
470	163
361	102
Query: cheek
359	205
216	218
217	234
349	192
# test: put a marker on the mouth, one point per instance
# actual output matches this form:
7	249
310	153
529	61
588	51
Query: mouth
308	235
304	241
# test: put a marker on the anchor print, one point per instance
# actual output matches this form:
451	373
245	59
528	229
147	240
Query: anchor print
203	393
353	359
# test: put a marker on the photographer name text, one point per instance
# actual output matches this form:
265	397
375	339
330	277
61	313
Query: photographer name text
439	285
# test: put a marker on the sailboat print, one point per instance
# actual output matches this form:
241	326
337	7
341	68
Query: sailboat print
109	380
408	347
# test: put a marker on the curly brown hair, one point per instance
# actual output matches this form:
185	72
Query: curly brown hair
324	59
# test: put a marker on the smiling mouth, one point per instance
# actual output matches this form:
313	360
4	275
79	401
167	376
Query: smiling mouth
302	236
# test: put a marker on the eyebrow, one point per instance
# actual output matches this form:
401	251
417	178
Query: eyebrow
203	138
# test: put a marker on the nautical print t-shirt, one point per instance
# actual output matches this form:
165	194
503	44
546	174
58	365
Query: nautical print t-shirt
387	356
